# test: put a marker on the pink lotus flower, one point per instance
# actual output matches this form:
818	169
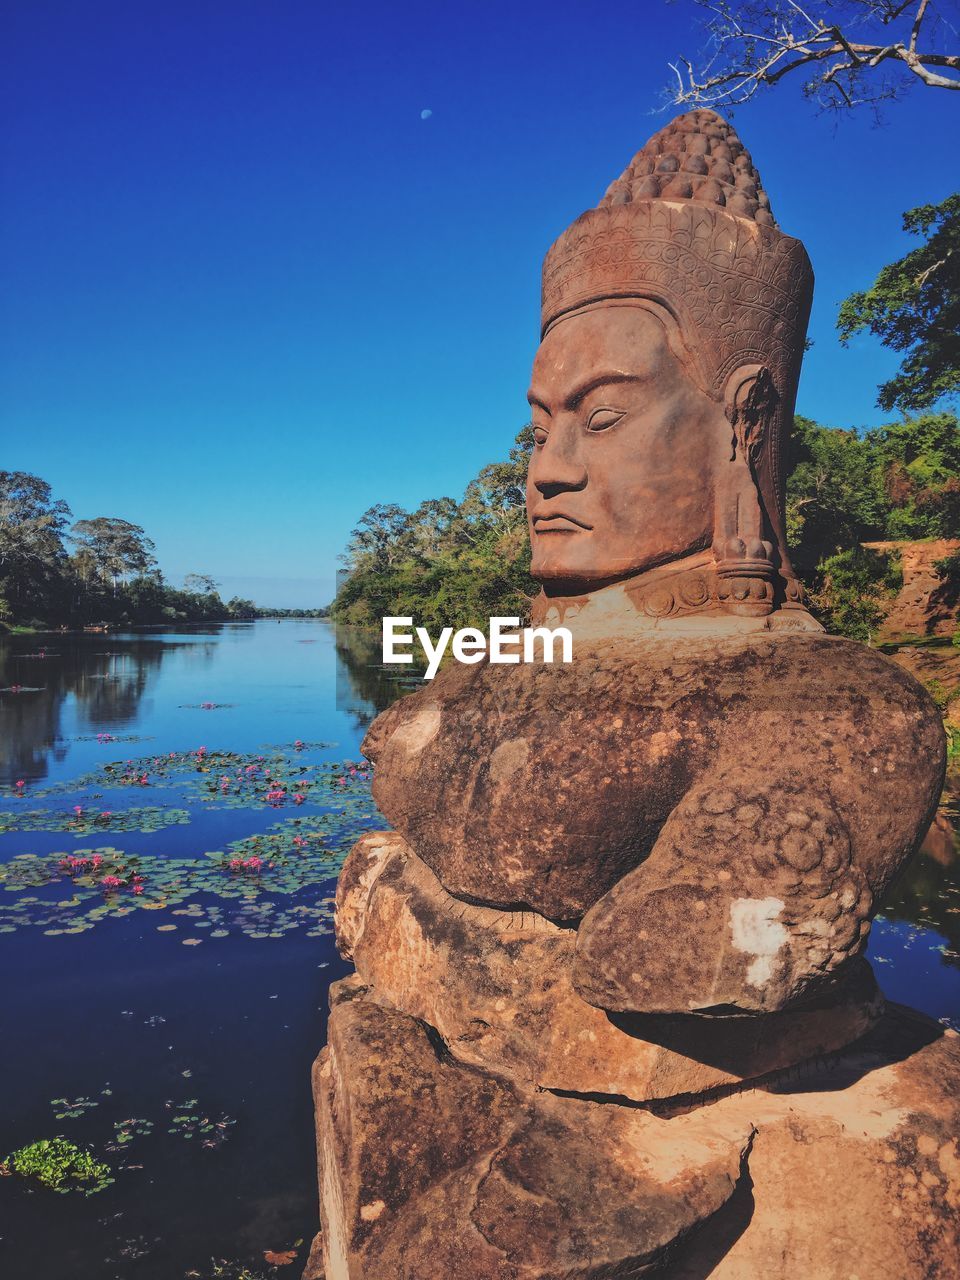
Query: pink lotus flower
298	745
298	798
19	783
111	883
77	809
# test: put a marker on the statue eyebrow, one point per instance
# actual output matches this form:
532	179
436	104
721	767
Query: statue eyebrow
573	399
598	380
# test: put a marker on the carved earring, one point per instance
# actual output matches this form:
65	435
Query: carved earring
744	556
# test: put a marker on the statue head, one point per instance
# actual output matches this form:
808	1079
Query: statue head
673	322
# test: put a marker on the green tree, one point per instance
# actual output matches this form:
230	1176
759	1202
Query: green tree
375	542
239	608
854	589
834	494
919	462
32	554
913	306
448	562
114	549
200	584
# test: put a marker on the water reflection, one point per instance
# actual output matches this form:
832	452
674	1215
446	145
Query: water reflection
106	678
365	686
929	893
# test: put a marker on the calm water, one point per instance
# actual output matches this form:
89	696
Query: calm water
168	1021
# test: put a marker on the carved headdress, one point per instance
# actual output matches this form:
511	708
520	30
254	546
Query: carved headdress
688	226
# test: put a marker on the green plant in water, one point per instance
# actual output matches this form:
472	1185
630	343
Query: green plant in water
61	1165
125	1131
71	1108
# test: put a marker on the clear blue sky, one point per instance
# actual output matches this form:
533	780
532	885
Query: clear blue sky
247	291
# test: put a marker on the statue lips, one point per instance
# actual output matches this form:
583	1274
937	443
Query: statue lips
559	522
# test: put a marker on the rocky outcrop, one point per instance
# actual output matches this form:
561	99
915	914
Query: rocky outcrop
434	1171
925	605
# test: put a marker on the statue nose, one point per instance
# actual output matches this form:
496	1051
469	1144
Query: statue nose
557	469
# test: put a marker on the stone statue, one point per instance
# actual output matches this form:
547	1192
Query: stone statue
609	987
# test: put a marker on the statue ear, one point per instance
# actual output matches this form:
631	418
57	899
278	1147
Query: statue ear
748	400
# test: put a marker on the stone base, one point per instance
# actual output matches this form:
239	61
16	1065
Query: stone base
432	1169
498	987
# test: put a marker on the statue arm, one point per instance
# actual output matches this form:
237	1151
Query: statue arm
760	863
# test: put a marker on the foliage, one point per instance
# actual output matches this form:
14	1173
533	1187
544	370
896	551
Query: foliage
897	482
111	549
61	1165
854	591
200	584
448	563
913	306
850	53
32	552
109	578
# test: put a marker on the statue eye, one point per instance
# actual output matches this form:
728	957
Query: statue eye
539	435
603	419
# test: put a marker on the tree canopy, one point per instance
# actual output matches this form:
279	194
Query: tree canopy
99	570
913	306
448	562
32	552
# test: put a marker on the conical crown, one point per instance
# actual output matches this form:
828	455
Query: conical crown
688	224
699	157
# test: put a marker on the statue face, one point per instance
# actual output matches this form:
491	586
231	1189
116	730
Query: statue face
627	447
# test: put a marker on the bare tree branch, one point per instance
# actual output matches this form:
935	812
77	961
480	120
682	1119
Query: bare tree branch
759	42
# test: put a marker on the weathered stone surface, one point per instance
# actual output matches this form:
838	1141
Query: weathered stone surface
926	603
849	1168
649	765
433	1170
357	877
314	1266
498	988
855	1168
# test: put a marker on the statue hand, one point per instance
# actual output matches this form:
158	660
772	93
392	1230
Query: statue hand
747	902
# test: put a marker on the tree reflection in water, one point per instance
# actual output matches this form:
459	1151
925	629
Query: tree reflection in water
107	676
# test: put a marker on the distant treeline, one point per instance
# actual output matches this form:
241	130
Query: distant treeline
457	563
56	573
